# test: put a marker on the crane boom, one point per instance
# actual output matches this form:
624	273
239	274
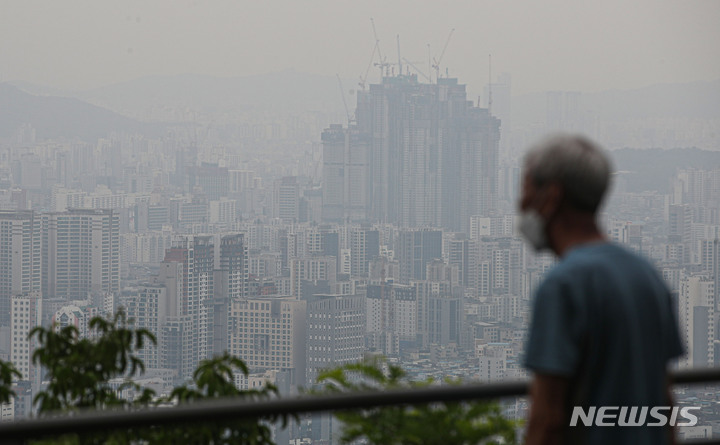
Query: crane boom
342	93
363	79
442	54
399	60
382	64
416	69
490	83
377	41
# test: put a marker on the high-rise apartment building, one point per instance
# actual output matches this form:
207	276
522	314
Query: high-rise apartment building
459	255
233	260
231	283
175	346
444	320
286	200
148	307
391	312
269	333
415	249
496	266
335	332
25	314
346	162
311	270
431	157
697	319
210	179
80	253
364	246
20	260
196	256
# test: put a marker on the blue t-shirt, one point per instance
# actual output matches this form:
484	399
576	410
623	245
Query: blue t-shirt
603	317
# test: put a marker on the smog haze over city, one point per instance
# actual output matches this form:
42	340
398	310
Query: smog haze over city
306	184
550	45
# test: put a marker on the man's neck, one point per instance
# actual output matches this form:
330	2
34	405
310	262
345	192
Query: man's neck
573	230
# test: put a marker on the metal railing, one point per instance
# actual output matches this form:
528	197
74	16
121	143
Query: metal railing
233	409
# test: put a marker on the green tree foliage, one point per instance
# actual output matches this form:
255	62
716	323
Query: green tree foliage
91	373
214	378
80	370
8	372
83	372
447	423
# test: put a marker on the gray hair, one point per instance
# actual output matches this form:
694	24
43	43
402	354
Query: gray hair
578	164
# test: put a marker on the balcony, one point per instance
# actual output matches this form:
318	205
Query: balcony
233	409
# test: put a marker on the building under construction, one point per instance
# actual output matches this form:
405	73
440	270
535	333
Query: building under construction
416	154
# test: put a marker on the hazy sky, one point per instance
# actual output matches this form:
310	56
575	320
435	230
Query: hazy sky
545	44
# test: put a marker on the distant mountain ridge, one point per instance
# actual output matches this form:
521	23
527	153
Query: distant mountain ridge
694	100
184	98
277	92
56	117
297	91
652	168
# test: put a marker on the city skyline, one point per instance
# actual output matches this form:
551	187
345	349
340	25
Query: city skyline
301	238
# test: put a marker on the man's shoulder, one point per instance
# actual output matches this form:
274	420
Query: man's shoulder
592	255
596	258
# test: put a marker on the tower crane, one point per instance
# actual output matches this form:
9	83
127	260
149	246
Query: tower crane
350	118
399	59
490	101
383	63
417	69
436	65
363	79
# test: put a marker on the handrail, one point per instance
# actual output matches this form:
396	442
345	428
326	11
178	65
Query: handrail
232	409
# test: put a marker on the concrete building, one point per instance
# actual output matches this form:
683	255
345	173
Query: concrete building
312	270
416	248
432	156
222	211
148	306
25	314
458	254
20	257
346	175
492	361
78	315
335	332
444	320
176	351
80	253
270	333
364	246
391	312
194	290
697	319
210	179
7	411
496	266
286	200
230	284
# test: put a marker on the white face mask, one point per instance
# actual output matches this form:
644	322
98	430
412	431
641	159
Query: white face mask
532	226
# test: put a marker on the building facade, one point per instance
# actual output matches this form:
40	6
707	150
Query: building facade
20	257
80	253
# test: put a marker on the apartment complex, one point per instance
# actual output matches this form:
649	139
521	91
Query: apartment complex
20	261
269	333
80	253
417	155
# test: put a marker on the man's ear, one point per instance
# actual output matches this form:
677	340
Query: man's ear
554	194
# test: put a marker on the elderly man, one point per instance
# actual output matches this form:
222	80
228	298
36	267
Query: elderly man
603	328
